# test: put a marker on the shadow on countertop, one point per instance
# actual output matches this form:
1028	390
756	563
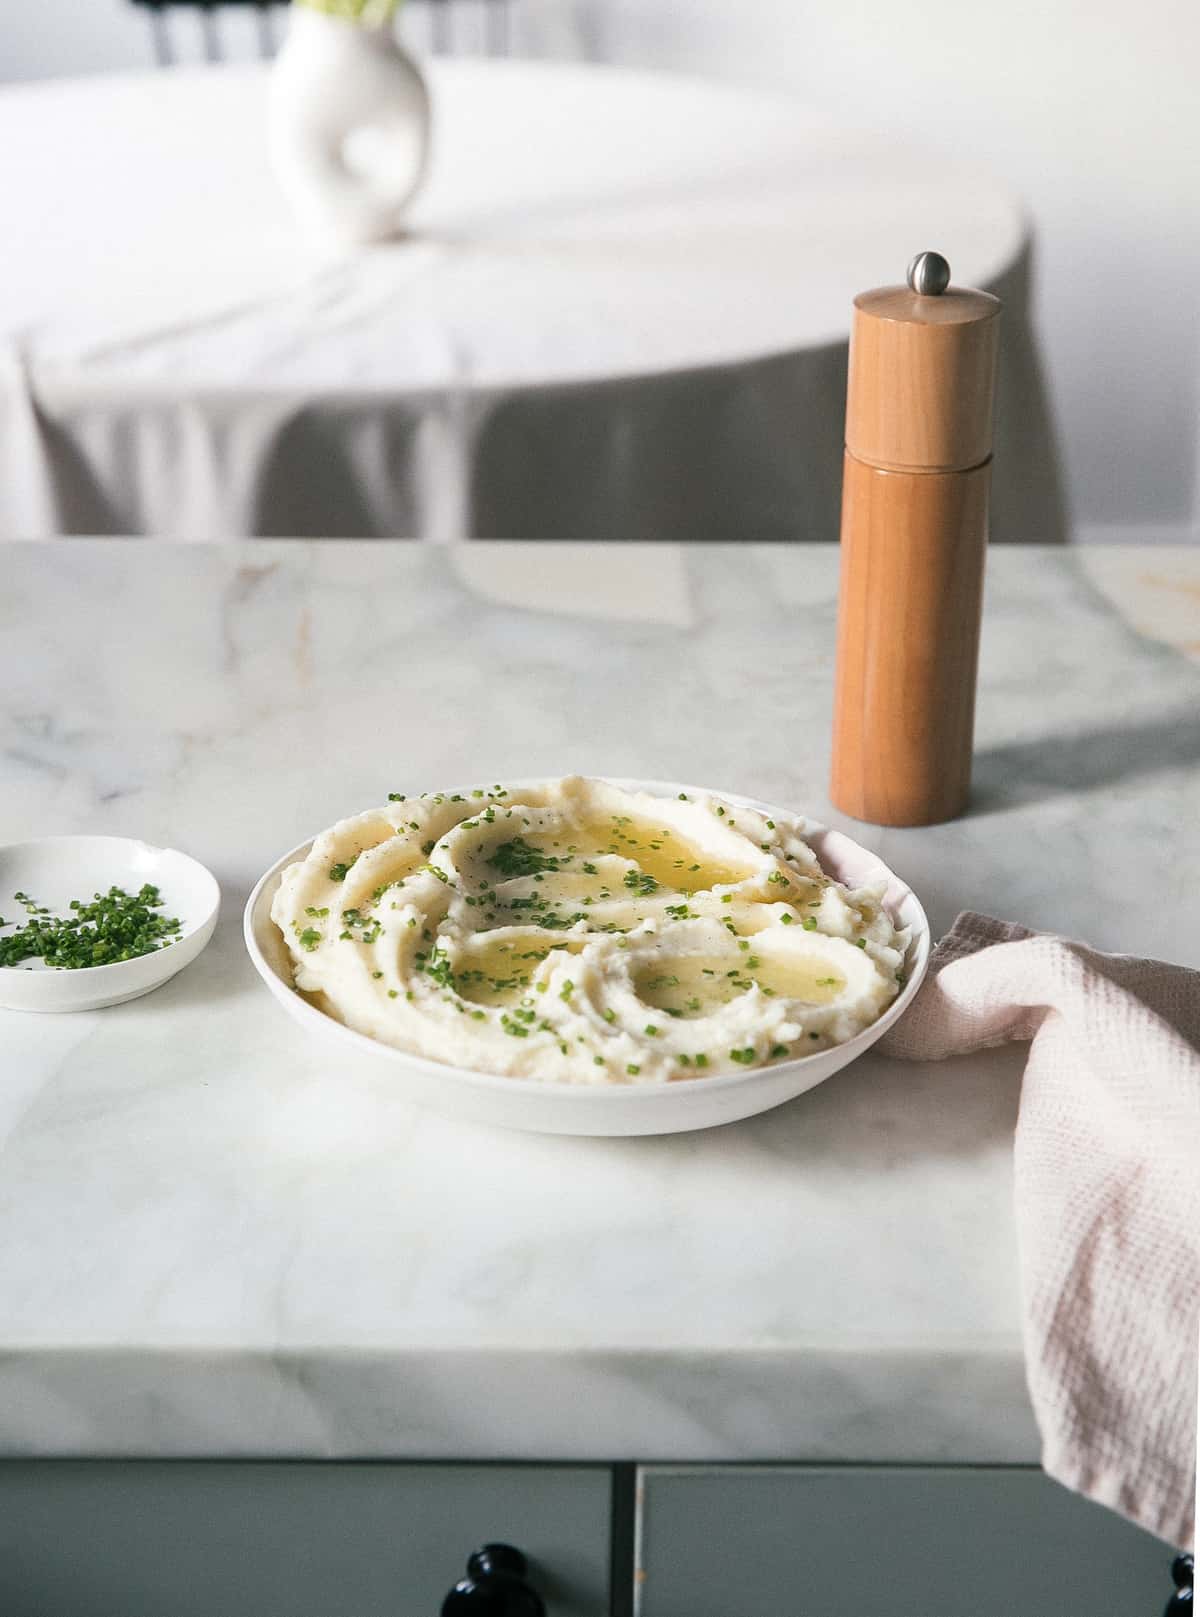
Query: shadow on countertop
1024	771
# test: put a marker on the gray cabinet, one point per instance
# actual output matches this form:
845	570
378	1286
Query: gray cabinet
282	1539
811	1541
330	1539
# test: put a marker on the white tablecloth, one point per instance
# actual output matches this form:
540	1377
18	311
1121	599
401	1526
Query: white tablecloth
621	311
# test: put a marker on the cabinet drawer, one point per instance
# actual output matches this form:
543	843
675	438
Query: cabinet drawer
911	1541
282	1539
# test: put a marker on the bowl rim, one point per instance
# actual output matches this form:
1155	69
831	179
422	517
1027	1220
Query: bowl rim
83	974
920	947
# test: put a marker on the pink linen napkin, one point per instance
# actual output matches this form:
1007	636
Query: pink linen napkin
1107	1162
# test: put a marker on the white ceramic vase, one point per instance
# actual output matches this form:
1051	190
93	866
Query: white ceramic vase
348	125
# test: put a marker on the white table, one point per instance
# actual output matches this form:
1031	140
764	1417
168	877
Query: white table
215	1239
621	312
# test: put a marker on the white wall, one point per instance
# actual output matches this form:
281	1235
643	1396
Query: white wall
1089	107
46	37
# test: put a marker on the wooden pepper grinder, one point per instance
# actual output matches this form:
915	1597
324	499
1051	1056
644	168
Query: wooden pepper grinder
914	534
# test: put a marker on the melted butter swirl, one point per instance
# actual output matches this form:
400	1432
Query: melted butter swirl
577	932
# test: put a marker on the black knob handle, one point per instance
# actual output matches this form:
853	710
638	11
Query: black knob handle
1183	1572
494	1586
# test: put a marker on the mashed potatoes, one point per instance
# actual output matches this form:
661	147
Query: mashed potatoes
578	933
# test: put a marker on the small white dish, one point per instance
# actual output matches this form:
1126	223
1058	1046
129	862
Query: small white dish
617	1109
55	870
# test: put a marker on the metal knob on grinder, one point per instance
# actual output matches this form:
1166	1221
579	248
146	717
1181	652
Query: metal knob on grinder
928	274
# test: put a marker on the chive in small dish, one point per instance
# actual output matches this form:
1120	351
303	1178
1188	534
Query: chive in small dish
89	921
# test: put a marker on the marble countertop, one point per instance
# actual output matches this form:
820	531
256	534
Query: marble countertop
218	1239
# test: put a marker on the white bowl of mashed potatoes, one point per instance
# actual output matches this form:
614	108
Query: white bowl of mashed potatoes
583	956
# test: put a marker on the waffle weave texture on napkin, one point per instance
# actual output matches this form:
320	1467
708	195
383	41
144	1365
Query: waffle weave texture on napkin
1107	1192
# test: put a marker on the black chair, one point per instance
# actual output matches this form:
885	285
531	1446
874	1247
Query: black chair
442	16
159	12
